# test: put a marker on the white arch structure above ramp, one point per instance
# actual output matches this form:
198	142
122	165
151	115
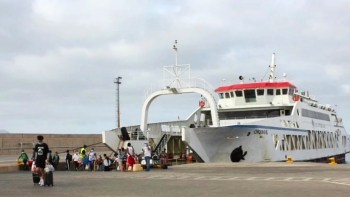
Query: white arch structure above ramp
181	86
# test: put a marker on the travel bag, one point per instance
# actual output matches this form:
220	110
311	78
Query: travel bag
48	178
36	178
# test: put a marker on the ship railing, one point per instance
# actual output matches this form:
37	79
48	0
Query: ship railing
249	117
233	81
178	84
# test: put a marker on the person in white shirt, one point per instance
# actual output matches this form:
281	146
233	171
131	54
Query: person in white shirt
130	160
147	154
75	159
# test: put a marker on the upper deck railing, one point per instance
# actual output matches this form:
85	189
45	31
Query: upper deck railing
231	81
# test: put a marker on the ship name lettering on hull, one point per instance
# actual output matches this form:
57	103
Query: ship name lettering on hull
260	132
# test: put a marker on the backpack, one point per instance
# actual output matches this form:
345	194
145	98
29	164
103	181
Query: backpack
69	158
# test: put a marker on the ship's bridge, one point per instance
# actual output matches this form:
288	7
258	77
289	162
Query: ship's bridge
255	94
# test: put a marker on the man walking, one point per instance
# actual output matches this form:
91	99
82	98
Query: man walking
41	157
147	154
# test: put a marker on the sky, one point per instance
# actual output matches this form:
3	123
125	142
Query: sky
59	58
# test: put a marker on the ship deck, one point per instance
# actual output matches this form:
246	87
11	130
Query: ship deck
215	179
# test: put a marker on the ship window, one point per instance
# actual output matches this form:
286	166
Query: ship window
260	92
227	95
291	91
285	91
232	95
239	93
250	96
269	91
278	92
287	112
221	95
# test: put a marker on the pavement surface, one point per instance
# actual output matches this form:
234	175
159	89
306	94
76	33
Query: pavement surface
198	179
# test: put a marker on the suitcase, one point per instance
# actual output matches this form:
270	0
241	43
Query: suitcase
48	179
36	178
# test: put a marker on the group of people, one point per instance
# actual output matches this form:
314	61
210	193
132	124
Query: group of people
52	159
88	160
124	158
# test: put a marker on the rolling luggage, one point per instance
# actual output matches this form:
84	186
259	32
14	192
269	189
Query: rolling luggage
48	178
36	178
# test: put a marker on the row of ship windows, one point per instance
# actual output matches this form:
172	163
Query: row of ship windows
259	92
314	115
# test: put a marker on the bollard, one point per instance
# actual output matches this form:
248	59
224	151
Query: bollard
332	161
289	159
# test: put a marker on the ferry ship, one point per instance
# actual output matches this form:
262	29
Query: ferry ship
269	121
250	121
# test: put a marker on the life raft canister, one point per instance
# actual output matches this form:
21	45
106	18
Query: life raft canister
201	103
295	97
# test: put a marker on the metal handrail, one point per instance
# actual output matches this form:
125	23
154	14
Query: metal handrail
231	81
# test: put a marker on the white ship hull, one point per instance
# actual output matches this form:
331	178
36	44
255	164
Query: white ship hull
261	143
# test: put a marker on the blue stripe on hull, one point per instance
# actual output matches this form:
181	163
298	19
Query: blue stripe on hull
266	127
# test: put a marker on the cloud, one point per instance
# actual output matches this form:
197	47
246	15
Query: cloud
346	88
58	59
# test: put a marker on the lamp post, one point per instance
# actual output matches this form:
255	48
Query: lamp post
117	81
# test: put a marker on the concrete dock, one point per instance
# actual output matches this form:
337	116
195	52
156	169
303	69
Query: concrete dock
197	179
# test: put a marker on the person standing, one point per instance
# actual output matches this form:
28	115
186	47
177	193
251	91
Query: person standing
147	154
92	159
106	162
41	157
68	160
55	160
130	160
81	152
99	163
49	159
76	157
24	158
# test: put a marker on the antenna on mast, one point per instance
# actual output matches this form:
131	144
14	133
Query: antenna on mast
175	48
272	69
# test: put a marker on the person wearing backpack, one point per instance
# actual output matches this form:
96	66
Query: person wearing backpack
69	158
24	158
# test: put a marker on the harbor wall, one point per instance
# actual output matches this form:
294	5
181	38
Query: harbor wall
12	144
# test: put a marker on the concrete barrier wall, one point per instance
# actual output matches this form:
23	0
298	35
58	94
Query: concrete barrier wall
10	144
